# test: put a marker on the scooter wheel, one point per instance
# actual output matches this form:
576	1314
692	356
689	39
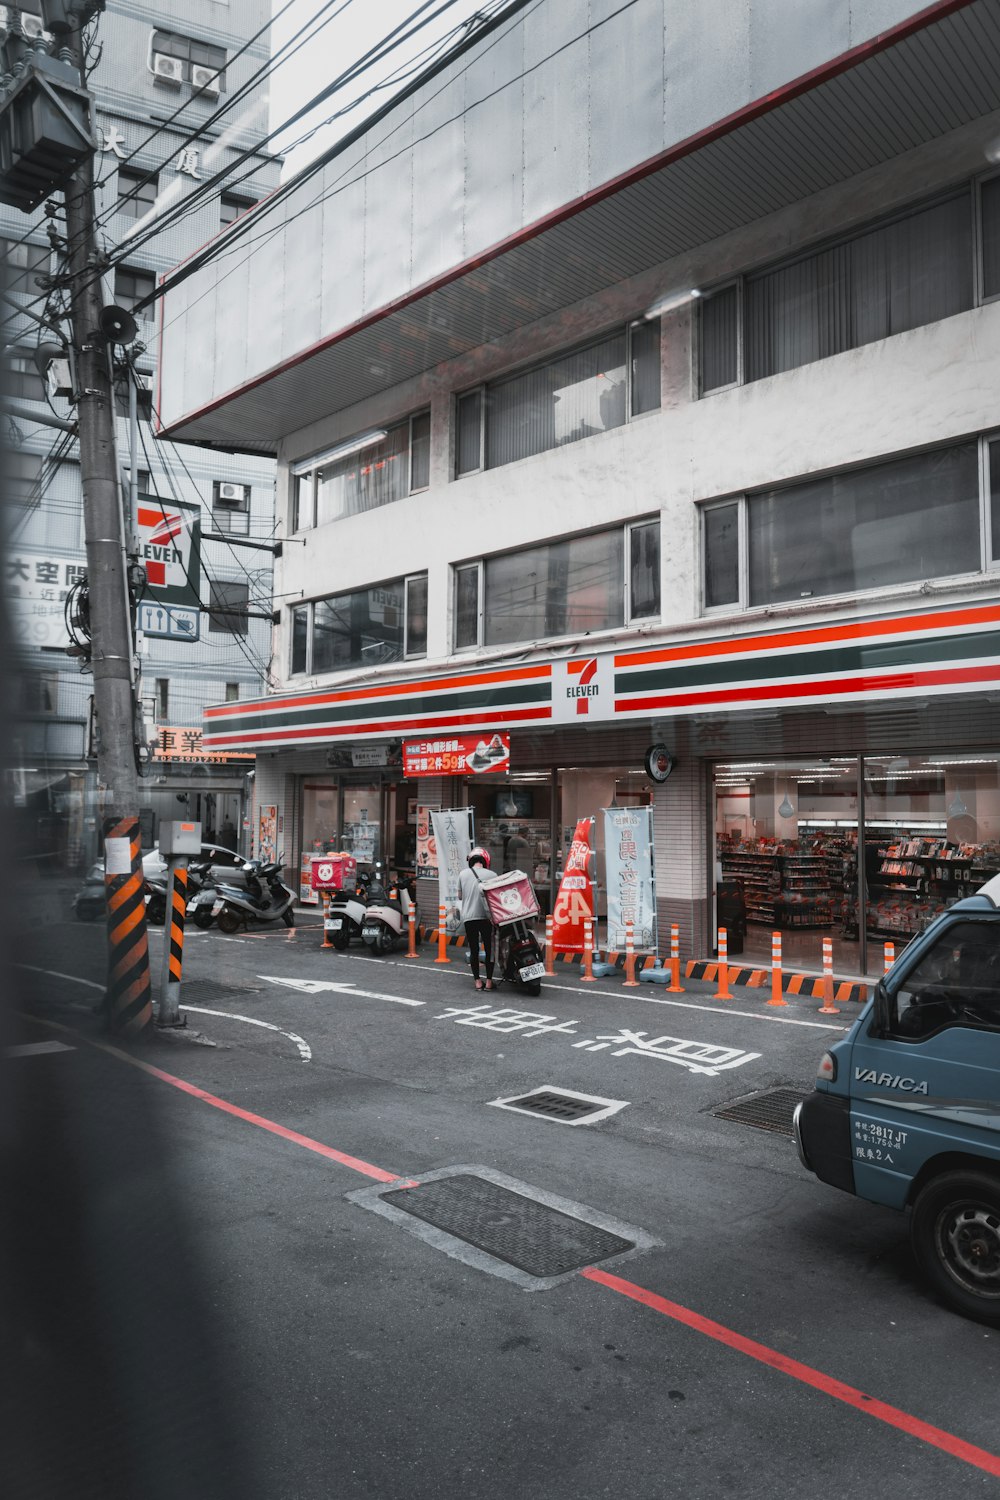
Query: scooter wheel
531	986
228	922
341	939
386	942
289	918
156	913
203	919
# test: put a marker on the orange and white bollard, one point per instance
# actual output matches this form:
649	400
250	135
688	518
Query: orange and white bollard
588	951
326	920
442	957
722	993
828	1008
888	956
675	987
777	998
550	952
411	921
630	980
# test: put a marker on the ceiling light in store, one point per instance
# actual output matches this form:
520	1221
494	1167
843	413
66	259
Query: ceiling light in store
785	808
958	760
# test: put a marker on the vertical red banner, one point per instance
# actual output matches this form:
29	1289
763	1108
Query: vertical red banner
575	901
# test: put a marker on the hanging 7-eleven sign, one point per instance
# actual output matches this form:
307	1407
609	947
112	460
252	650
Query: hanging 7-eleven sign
170	549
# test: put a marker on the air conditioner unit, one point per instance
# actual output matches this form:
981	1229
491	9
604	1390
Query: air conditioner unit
205	79
231	494
168	70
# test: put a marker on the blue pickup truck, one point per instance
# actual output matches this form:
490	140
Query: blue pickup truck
906	1110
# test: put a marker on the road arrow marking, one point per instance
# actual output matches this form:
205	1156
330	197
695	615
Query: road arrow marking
317	987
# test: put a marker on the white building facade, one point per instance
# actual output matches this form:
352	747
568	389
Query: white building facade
634	384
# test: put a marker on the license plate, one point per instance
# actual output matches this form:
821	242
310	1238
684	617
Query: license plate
369	932
334	924
217	907
533	971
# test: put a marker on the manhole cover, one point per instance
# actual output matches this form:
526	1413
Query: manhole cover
772	1109
517	1230
562	1105
195	991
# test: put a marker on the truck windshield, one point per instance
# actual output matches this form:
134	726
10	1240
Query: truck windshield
955	983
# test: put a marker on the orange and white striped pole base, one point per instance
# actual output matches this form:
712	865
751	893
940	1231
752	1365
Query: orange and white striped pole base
888	956
442	957
828	1008
675	987
325	896
588	951
550	952
722	993
630	979
411	922
777	998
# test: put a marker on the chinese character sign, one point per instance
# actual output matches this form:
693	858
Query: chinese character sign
37	588
453	837
457	755
575	901
628	863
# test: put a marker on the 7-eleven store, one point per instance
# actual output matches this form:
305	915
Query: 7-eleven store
838	779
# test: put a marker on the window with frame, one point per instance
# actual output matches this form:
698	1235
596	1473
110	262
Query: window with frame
588	390
133	286
386	469
137	192
198	63
143	395
364	628
899	521
22	378
228	606
575	585
22	473
231	507
22	263
231	206
956	983
897	274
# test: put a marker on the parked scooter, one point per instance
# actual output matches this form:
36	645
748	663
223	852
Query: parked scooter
512	904
201	894
266	898
346	913
387	915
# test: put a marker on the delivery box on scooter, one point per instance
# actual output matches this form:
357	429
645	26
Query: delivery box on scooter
334	872
510	898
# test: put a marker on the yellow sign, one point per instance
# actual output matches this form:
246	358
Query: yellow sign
179	743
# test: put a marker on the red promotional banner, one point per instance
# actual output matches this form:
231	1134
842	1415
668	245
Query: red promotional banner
575	901
457	756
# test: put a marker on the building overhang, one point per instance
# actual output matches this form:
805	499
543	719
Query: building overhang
914	654
920	81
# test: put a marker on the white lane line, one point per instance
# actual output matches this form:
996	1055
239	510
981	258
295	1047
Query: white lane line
305	1051
55	974
32	1049
317	986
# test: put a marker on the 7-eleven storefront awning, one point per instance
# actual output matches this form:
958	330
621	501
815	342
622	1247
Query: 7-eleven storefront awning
871	658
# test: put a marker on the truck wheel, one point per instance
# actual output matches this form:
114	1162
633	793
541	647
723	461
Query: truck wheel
228	922
955	1234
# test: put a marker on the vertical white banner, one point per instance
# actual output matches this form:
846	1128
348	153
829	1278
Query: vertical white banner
628	864
453	837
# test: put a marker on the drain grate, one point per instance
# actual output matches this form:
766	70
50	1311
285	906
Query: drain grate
564	1106
198	991
520	1231
771	1109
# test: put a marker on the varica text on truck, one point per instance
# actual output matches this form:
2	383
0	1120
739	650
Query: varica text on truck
906	1110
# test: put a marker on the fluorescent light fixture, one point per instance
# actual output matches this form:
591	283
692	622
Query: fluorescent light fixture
671	301
342	450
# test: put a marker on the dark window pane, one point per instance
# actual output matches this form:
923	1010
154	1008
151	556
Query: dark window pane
22	264
136	192
722	555
300	637
645	351
568	586
466	606
954	984
132	287
719	349
644	570
227	608
360	629
469	433
914	518
995	499
561	402
416	616
303	510
364	481
420	451
231	207
991	236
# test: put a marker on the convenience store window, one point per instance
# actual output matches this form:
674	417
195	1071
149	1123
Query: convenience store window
787	840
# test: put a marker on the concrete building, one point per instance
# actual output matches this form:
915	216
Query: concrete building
150	63
634	384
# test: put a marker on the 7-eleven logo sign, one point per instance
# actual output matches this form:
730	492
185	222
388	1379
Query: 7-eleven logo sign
165	544
583	688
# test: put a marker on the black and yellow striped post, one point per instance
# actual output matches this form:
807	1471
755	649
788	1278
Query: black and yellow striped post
169	1012
128	1000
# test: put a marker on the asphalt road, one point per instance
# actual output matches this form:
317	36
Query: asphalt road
219	1315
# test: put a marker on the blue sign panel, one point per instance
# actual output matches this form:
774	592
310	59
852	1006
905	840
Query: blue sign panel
172	622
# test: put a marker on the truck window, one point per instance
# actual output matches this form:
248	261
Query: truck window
956	983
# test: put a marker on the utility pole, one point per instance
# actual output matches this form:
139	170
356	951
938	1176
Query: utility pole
47	143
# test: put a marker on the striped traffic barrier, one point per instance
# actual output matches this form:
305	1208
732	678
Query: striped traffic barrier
828	1008
630	980
588	951
326	943
549	946
675	987
722	992
777	998
411	922
128	1000
442	957
888	956
169	1013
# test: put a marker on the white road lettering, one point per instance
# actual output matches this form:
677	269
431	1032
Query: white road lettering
318	986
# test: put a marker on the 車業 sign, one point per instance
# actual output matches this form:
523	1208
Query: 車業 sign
457	756
183	743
